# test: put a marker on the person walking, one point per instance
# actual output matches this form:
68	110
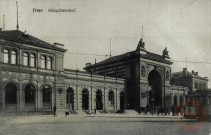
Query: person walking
54	110
66	112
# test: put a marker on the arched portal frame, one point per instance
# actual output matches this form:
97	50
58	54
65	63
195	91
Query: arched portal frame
70	98
122	101
30	94
85	99
99	100
156	94
11	90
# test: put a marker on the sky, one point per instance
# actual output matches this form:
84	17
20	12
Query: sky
183	26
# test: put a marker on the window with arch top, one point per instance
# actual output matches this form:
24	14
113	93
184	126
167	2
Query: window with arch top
6	56
111	97
32	60
49	63
25	59
43	61
14	57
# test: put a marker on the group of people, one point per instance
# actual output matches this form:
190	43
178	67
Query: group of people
66	111
54	111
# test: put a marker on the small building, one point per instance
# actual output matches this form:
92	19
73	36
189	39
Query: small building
192	80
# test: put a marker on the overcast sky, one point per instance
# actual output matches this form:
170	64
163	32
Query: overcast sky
183	26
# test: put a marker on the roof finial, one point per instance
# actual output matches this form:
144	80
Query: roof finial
17	15
142	33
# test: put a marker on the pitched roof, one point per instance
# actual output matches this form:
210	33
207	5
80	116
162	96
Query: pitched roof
19	36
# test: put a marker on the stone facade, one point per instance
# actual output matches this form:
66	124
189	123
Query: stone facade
189	79
32	77
147	76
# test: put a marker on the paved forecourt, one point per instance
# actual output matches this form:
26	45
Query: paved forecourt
80	125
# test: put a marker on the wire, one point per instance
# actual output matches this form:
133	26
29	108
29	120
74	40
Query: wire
191	62
87	54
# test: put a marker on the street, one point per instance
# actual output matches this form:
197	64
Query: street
93	125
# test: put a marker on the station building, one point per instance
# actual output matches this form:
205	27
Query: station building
33	78
147	77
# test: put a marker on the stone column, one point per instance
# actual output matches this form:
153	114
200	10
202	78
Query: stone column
3	98
39	96
75	97
21	97
90	98
79	98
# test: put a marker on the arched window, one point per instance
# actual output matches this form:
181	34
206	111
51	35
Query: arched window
111	97
30	94
49	63
99	103
85	99
10	93
70	98
175	100
6	56
32	60
13	57
25	59
181	100
47	94
43	62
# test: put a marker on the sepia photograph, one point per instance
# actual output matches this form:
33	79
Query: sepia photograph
115	67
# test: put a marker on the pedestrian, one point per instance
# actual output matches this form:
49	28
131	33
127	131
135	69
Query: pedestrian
54	110
66	112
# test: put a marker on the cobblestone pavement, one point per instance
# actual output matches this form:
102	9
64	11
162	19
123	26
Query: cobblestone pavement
81	125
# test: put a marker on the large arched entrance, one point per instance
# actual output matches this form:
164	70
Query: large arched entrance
47	97
99	103
11	93
122	101
85	99
155	81
70	98
30	94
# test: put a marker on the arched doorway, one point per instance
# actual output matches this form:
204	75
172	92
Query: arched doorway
85	99
70	98
30	95
99	103
11	93
111	97
181	100
155	81
47	97
175	100
122	101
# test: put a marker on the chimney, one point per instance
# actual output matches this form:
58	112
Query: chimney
184	71
0	29
196	73
58	45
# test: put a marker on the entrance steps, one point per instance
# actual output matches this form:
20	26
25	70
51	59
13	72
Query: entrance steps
130	112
